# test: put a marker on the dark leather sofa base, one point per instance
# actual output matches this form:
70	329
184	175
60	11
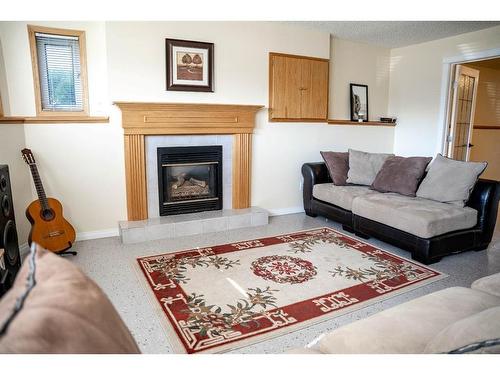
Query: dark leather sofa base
484	199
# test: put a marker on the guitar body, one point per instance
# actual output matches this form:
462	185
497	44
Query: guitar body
49	228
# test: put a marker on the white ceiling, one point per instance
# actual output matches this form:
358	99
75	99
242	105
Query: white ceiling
393	34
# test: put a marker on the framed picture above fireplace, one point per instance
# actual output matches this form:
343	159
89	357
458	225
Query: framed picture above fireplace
190	65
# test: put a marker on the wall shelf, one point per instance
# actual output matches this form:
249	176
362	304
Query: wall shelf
364	123
53	120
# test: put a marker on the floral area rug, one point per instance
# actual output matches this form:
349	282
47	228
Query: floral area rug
222	297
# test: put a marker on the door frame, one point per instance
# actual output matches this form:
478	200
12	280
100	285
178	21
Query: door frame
447	81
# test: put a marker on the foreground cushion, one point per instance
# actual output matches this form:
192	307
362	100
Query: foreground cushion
450	181
364	166
421	217
65	312
409	327
337	164
400	175
341	196
467	334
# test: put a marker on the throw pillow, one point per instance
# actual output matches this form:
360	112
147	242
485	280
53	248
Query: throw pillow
400	175
64	312
450	181
337	164
364	166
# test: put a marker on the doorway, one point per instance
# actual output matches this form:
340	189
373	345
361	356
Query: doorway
474	115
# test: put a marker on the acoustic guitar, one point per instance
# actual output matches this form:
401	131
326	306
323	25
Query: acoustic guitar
49	228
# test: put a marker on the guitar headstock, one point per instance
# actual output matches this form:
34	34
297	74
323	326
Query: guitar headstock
28	156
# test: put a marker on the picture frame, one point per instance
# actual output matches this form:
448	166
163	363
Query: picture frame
359	102
189	65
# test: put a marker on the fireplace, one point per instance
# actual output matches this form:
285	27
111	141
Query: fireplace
189	179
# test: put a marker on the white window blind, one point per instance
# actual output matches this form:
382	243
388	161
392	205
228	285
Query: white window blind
60	72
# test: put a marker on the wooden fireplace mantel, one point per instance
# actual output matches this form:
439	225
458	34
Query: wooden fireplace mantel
142	119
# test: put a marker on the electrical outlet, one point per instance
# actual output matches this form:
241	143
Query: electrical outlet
301	185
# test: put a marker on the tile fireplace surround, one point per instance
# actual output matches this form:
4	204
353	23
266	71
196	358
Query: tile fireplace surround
142	121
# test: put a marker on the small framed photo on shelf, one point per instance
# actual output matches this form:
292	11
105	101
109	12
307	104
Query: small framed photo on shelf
190	65
359	102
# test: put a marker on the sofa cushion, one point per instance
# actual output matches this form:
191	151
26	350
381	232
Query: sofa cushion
450	181
337	164
488	284
465	334
409	327
65	312
341	196
421	217
401	175
364	166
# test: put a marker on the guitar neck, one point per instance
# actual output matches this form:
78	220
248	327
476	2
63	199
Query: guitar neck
42	197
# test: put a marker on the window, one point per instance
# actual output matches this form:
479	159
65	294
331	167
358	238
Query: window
59	71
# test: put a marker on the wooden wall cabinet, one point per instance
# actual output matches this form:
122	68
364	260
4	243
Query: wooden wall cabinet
298	88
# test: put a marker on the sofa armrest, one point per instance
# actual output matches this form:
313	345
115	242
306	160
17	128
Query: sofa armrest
488	284
313	173
484	199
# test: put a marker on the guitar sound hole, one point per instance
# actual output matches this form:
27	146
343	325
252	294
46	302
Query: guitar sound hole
47	215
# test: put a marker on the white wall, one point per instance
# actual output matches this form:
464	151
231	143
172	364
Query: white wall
80	164
415	91
358	63
11	142
83	164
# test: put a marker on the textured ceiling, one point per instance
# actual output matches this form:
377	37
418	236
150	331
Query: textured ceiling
393	34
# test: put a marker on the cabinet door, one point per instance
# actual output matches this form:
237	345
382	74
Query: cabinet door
285	93
314	89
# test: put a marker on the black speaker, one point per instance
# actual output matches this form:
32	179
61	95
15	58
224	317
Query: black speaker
10	260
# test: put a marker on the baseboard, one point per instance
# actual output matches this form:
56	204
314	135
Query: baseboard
24	248
113	232
285	211
83	236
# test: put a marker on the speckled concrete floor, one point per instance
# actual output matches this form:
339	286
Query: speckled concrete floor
111	265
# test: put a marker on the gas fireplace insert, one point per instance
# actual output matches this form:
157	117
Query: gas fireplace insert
189	179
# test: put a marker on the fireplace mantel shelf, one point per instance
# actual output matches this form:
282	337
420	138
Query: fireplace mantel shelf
140	119
187	118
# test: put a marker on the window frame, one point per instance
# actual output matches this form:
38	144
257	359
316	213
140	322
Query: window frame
32	30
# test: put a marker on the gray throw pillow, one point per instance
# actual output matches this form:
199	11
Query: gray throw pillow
401	175
337	164
450	181
364	166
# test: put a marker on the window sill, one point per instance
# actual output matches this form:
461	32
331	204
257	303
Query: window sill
54	120
11	120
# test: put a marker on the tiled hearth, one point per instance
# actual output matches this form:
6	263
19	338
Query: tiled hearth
191	224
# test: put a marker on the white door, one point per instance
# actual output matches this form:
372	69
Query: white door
462	112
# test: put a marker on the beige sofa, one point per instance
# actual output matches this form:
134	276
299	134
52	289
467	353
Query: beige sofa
421	217
439	322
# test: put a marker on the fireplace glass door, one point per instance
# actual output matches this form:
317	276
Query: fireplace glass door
188	182
190	179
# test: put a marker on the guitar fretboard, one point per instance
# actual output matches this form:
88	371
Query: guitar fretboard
42	197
